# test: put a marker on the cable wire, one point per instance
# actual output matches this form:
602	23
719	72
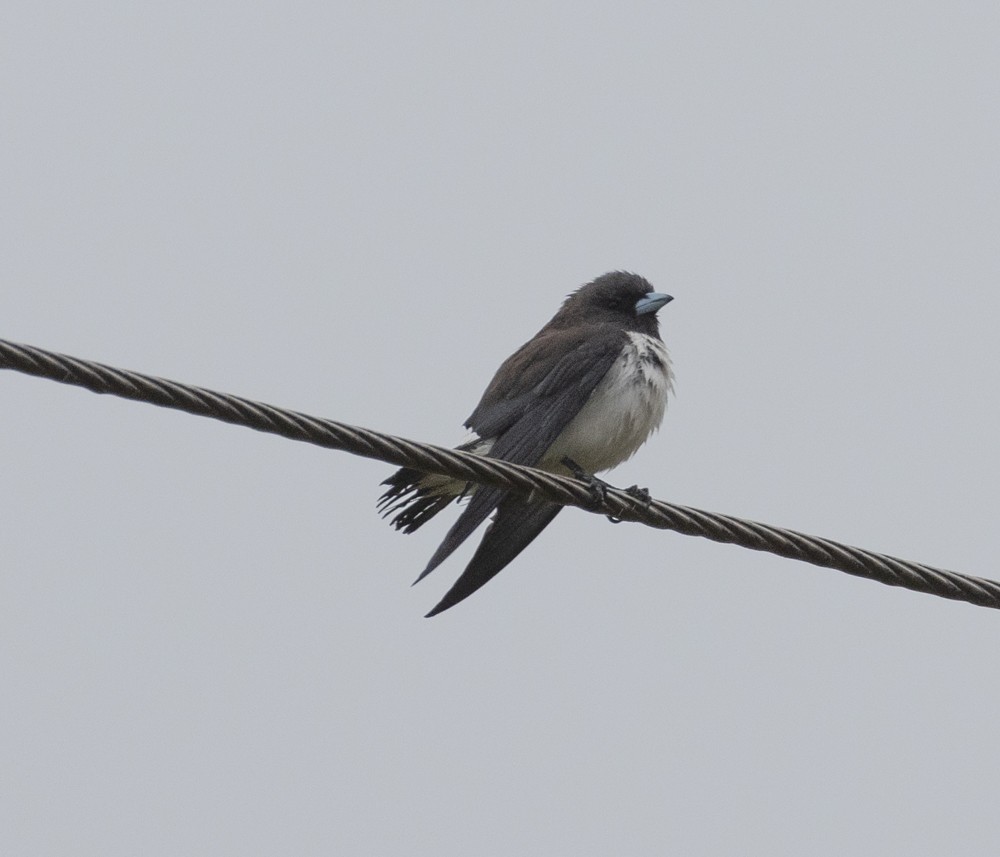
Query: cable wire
526	481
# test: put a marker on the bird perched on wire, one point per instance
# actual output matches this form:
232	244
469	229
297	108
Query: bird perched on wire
582	395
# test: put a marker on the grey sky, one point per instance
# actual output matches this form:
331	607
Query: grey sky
208	639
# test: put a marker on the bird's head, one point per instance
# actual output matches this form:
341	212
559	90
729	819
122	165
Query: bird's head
617	297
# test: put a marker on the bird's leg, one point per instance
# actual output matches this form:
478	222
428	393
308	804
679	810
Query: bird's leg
598	487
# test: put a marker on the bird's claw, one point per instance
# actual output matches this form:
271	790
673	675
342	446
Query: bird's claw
598	487
640	494
636	493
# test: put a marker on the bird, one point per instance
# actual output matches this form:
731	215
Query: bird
582	396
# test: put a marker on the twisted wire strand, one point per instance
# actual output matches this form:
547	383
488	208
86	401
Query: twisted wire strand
526	481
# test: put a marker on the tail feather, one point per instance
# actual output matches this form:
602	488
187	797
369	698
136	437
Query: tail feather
415	498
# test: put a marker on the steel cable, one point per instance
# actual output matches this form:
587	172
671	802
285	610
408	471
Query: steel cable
616	503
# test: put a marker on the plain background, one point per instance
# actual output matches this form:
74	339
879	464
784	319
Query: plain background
208	639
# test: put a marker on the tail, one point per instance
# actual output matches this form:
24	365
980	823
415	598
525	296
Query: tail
416	497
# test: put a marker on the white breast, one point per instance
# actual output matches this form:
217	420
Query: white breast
624	409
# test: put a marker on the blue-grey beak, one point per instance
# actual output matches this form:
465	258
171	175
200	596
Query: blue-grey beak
651	302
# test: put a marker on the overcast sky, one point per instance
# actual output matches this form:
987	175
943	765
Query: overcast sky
208	639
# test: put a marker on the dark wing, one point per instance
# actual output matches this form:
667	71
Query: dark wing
554	361
526	413
514	528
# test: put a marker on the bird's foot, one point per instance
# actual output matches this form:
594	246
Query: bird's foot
598	487
640	494
636	493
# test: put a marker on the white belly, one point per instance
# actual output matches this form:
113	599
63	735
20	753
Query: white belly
625	408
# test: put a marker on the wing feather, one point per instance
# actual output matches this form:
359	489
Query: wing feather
516	525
